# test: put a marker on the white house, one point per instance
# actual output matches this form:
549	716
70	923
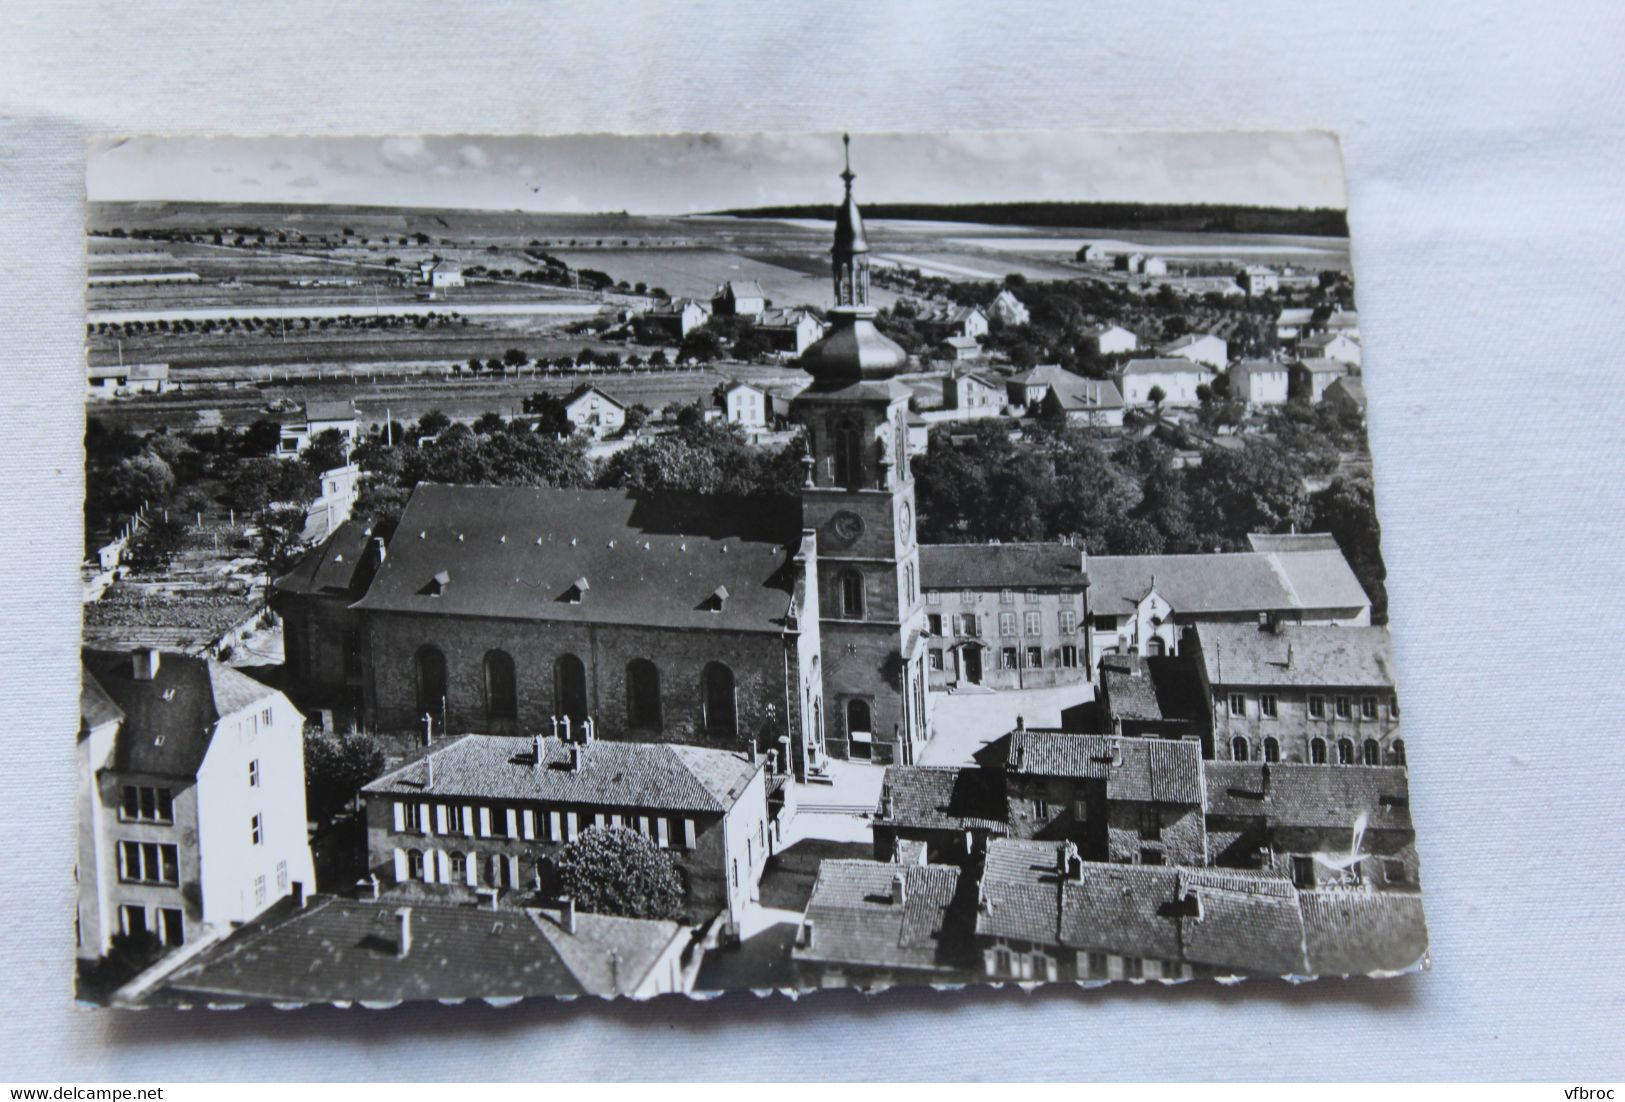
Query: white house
320	417
1176	378
592	411
118	381
440	273
1111	340
677	318
1261	382
1129	262
1154	266
1292	322
334	499
1331	346
743	298
1204	348
1008	309
791	331
1087	401
191	799
745	405
968	390
1256	279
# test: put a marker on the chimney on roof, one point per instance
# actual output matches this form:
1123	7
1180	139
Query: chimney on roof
298	891
144	663
899	889
805	939
1289	656
589	727
536	748
378	551
886	805
575	757
567	913
1264	778
372	882
564	724
1021	722
428	764
403	934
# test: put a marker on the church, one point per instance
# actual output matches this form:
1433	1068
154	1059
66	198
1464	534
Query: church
794	626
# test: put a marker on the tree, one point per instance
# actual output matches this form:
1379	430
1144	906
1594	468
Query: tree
280	528
549	412
616	871
488	423
1347	509
326	451
637	415
140	479
157	545
336	766
513	357
433	422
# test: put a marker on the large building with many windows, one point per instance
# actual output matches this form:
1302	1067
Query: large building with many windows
192	799
1006	615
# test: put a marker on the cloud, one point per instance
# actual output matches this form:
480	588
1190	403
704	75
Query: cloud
304	181
405	154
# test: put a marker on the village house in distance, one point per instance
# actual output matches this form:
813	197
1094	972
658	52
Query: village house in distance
544	735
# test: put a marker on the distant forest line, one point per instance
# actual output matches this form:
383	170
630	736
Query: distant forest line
1186	217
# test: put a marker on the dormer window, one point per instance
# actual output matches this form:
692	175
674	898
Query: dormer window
718	599
437	584
578	589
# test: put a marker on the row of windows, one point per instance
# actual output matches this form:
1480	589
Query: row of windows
719	713
167	923
145	804
411	817
1269	706
966	625
1368	752
1006	596
1030	658
149	863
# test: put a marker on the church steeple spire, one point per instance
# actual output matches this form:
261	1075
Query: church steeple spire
853	349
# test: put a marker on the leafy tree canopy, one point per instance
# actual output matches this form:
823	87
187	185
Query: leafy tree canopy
616	871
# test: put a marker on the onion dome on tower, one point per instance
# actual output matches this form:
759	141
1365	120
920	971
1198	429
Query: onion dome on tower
853	350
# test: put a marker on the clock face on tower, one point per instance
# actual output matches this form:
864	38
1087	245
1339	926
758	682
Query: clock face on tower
846	527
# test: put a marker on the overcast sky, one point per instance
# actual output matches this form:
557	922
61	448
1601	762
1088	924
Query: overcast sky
686	173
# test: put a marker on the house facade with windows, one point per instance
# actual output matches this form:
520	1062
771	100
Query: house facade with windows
1331	345
1007	309
745	405
1261	382
192	799
1177	378
739	298
489	810
1084	401
595	413
790	331
1110	340
319	417
674	319
1310	693
971	393
1006	616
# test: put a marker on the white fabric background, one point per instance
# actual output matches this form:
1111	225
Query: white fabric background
1485	154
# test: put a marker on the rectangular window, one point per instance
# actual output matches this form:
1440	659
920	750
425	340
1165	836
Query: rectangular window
936	659
132	919
1035	658
1368	707
413	817
1238	704
1007	658
1069	656
256	830
933	597
1097	966
265	718
1069	621
1007	596
1032	624
1393	707
456	820
145	804
736	871
1105	623
1007	623
1032	596
1150	824
1269	705
1344	707
259	891
1133	968
149	863
254	773
1317	707
171	926
967	596
934	623
498	825
282	876
967	624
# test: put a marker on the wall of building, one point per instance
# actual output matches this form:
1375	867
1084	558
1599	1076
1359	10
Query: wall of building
758	661
232	864
182	832
318	633
1294	729
987	605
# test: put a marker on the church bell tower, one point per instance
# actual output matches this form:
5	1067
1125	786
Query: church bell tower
859	498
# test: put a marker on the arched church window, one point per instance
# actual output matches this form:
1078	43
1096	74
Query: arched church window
720	714
501	687
429	671
642	694
852	594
